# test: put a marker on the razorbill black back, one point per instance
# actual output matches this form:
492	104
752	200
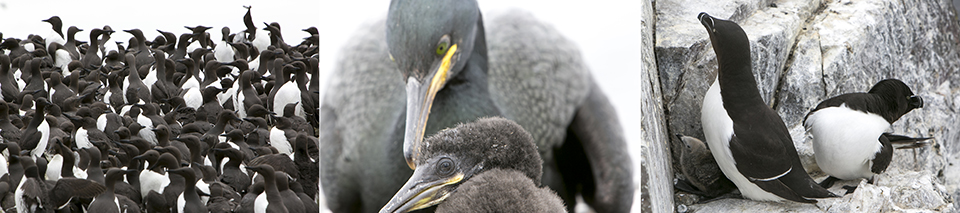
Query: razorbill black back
848	130
748	139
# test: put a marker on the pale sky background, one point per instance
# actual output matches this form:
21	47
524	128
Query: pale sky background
607	31
21	18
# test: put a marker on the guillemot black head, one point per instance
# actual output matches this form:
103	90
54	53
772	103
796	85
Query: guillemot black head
430	41
897	95
452	156
57	24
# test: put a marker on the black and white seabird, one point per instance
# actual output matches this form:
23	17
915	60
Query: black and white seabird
748	139
491	165
848	130
134	83
56	36
270	200
8	131
59	92
107	201
72	44
232	173
260	39
37	134
92	59
107	44
33	194
140	48
290	198
309	168
9	87
224	51
288	91
189	200
61	57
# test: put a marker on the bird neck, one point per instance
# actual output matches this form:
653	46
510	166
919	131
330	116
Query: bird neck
889	108
161	69
301	79
737	85
270	184
111	185
38	117
464	98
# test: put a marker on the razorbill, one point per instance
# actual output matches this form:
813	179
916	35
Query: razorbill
848	130
748	139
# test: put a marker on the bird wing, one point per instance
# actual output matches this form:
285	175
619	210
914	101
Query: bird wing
30	139
758	157
537	77
882	159
864	102
764	153
31	191
905	142
68	188
279	162
596	128
363	106
229	179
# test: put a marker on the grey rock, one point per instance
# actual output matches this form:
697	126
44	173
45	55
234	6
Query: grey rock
904	192
802	81
656	178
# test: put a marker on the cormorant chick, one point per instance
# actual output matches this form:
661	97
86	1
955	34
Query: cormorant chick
491	165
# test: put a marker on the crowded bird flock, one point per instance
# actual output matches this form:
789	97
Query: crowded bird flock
177	123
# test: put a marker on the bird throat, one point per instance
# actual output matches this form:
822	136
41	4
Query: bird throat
463	99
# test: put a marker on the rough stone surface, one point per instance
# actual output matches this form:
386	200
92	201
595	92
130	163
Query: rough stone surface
905	192
807	51
656	186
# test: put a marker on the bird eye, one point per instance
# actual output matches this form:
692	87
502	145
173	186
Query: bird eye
445	167
444	45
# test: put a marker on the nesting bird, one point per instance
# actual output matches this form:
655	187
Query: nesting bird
701	173
849	138
748	139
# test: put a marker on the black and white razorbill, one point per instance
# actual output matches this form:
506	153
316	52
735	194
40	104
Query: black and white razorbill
748	139
848	130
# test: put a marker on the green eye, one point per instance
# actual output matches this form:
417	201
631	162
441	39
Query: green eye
444	45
